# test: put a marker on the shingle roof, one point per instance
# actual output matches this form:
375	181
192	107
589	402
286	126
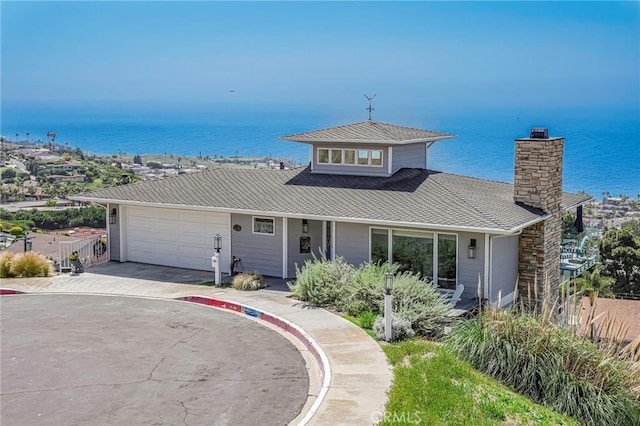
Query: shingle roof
369	132
409	197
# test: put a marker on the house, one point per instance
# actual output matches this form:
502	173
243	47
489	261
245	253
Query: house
367	194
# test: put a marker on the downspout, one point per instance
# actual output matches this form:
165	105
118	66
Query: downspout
491	238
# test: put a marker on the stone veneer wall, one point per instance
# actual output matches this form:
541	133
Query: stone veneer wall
538	184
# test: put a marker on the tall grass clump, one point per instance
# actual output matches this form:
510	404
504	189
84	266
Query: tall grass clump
5	263
529	351
322	282
247	281
29	264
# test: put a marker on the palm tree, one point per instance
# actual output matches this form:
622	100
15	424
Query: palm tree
17	135
28	138
592	285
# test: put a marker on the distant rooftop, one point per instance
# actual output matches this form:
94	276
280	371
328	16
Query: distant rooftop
369	132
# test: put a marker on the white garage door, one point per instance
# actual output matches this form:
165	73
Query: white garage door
172	237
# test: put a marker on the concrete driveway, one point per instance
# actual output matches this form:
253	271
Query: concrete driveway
99	360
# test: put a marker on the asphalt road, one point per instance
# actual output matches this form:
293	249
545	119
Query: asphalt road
103	360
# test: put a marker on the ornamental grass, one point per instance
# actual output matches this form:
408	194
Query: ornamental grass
529	350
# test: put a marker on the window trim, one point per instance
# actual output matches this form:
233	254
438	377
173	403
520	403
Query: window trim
253	225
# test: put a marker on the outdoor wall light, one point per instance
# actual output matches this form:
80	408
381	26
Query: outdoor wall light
217	243
305	226
471	250
112	216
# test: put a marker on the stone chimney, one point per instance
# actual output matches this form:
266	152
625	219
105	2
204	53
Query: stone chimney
538	185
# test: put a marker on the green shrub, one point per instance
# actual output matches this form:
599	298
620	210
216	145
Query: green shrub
366	320
400	328
322	282
365	292
16	231
419	302
29	264
5	263
247	281
552	365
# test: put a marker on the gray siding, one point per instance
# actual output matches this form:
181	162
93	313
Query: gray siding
504	266
293	241
352	242
468	269
411	156
258	253
342	169
114	233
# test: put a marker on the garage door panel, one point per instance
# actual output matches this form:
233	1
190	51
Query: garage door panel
175	237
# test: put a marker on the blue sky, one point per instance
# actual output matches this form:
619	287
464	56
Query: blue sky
441	53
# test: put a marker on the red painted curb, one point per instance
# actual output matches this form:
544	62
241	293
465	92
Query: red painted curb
271	319
5	291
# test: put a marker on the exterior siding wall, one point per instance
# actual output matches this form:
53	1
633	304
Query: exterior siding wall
293	242
258	253
409	156
352	242
342	169
504	266
114	233
468	269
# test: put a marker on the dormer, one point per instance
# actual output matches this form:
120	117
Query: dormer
368	148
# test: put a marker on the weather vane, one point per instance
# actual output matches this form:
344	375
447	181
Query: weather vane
370	99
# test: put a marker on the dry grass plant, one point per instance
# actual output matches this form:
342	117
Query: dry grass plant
555	364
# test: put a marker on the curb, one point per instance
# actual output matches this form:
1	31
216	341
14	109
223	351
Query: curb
308	341
5	291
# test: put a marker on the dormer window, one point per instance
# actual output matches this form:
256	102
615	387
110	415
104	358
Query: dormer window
350	157
336	156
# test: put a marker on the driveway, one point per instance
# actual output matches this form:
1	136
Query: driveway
86	359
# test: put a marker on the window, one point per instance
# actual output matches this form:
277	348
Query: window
415	251
349	156
263	225
376	158
363	157
447	265
336	156
379	245
323	156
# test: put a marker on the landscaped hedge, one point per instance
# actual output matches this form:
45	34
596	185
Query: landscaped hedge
91	216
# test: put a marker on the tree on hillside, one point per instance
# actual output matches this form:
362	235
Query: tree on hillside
592	285
137	159
569	231
632	226
620	258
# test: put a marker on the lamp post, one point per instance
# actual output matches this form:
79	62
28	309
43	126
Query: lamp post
388	286
215	260
27	243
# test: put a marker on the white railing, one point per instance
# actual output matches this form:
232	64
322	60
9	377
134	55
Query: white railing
90	252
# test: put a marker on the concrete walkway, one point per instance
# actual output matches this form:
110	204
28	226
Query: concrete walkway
360	374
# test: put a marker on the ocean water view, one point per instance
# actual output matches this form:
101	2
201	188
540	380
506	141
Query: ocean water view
601	147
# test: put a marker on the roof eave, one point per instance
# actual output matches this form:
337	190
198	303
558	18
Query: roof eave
576	204
368	221
368	141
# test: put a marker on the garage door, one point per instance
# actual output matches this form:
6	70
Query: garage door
172	237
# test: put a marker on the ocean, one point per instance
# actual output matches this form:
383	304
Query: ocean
601	147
